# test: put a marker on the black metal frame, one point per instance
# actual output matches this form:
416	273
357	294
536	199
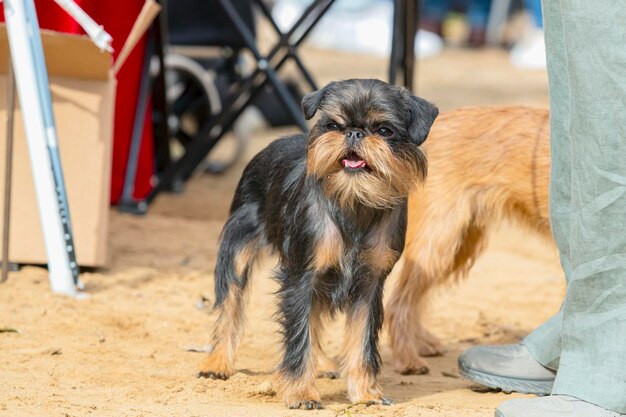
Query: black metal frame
127	202
154	47
406	14
244	93
171	176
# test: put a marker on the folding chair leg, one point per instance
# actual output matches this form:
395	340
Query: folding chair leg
313	22
409	42
266	72
405	16
285	38
160	107
288	102
305	73
397	40
283	94
8	169
127	202
197	150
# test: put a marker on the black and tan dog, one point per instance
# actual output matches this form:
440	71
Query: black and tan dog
333	207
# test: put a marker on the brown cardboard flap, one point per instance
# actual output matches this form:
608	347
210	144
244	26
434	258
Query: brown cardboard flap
73	56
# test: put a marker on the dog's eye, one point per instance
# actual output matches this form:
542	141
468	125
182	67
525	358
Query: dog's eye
332	126
384	131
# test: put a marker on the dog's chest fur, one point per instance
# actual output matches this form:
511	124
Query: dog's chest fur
354	250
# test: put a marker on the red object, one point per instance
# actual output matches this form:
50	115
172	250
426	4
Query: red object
117	17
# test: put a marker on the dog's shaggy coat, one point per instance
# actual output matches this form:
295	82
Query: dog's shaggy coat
332	207
485	164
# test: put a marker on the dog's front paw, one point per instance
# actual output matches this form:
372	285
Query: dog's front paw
298	394
380	401
306	405
414	366
414	370
429	345
215	367
214	375
366	392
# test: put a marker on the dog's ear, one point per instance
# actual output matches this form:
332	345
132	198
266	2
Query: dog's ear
312	102
423	115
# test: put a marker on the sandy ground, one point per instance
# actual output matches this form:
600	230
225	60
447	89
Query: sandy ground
122	350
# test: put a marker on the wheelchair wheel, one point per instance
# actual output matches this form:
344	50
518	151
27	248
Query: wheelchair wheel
193	100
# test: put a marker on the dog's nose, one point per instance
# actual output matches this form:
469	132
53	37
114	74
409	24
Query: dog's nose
354	135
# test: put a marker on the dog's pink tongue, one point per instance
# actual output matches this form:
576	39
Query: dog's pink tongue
353	164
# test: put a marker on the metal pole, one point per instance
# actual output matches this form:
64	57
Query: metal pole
32	85
8	168
160	106
395	59
127	202
51	138
410	27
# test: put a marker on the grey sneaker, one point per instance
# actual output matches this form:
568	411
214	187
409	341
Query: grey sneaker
552	406
506	367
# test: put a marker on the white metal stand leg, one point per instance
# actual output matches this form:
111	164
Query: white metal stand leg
34	94
6	213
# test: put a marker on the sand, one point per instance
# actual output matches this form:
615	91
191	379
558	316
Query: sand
123	350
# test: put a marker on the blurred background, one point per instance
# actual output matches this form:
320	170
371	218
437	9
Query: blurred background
464	53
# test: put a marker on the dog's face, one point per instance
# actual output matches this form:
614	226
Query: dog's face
365	146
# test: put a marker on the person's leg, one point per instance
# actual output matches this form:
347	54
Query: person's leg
433	15
477	17
592	366
592	361
478	13
529	50
545	342
509	367
435	9
534	8
588	91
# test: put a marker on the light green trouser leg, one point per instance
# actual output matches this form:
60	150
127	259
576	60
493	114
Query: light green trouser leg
545	342
586	46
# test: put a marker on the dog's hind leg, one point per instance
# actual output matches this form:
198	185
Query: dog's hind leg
407	336
440	242
239	246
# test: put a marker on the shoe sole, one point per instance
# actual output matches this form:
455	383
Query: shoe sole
507	384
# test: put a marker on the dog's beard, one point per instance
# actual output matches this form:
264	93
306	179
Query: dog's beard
388	178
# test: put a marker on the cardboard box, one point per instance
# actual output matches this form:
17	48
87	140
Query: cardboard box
82	86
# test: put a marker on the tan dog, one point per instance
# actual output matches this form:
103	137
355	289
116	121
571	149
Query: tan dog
484	164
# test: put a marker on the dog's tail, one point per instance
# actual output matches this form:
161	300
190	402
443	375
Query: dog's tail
239	246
